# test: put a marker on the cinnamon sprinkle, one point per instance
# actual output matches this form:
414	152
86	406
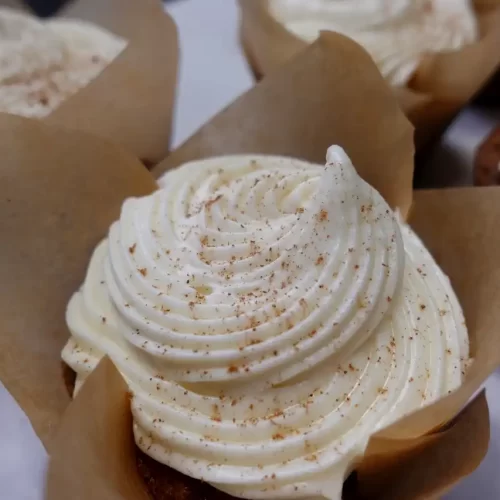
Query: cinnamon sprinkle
322	216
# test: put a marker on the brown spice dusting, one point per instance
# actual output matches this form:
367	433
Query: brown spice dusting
132	248
208	437
382	390
389	299
209	203
299	210
103	319
320	260
216	414
422	307
143	271
322	216
275	414
232	369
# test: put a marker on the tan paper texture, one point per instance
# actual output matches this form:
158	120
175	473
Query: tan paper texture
131	102
443	84
61	189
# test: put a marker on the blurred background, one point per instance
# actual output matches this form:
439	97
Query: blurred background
42	8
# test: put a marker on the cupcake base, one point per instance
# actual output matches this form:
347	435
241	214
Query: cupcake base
164	483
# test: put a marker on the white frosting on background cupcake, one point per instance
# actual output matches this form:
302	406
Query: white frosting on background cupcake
269	315
43	63
396	33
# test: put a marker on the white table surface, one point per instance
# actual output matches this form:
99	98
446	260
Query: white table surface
213	73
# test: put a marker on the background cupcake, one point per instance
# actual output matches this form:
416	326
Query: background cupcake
44	63
398	34
89	67
436	54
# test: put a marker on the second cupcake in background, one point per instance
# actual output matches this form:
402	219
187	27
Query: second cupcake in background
398	34
44	63
88	68
435	54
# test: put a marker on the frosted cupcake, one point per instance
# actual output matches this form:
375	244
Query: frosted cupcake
44	63
269	315
398	34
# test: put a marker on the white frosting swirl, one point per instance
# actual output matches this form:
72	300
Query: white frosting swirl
268	315
396	33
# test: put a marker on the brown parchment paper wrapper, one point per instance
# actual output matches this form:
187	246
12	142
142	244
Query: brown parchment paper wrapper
443	84
53	215
131	102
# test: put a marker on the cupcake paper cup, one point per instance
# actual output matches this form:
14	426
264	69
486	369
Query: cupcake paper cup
131	101
442	85
62	188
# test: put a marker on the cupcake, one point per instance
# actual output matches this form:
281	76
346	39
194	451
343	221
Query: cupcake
436	55
44	63
397	34
269	315
86	71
